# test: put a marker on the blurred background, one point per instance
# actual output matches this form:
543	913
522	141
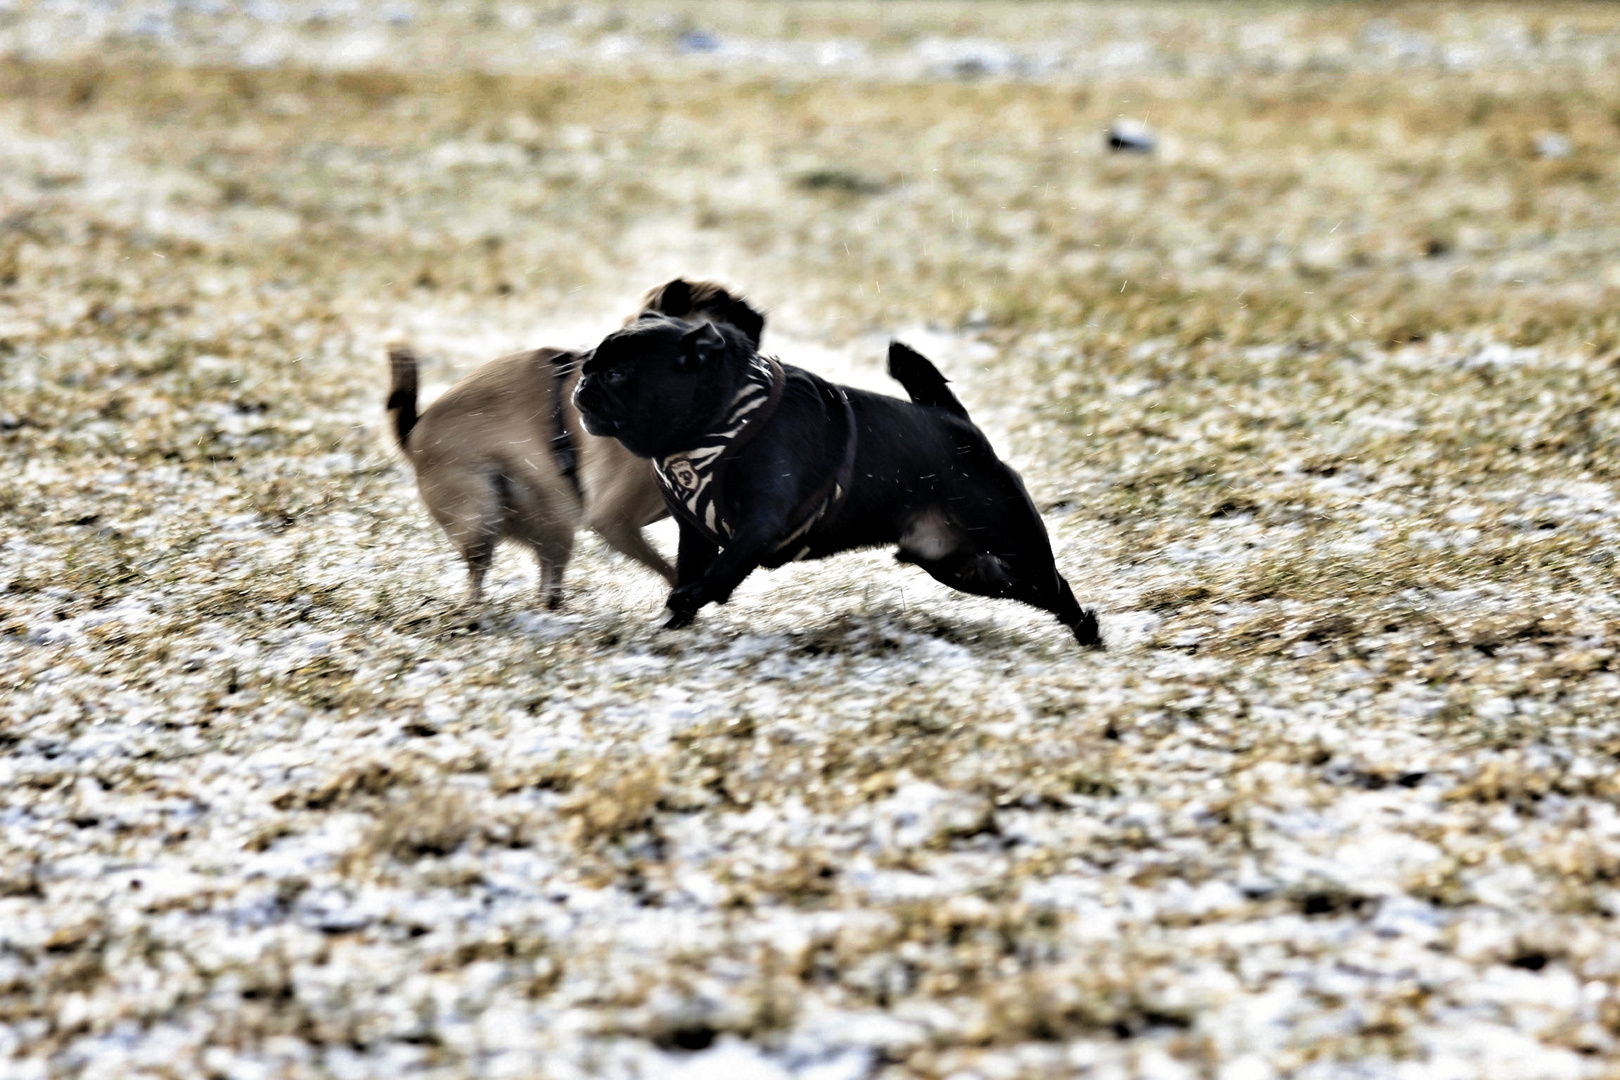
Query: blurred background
1353	173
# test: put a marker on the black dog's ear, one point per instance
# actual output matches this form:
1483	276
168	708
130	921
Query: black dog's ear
674	298
746	319
701	345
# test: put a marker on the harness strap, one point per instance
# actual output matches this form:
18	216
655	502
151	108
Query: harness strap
691	480
830	495
676	472
758	420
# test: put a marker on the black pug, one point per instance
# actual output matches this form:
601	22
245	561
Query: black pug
762	463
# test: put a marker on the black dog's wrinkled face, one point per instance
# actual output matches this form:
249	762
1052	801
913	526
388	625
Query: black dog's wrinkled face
660	384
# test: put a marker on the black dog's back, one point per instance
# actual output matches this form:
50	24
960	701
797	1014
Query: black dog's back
922	380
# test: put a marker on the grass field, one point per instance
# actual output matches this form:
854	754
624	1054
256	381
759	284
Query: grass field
1319	402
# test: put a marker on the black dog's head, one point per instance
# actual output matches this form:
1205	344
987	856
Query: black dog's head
661	384
699	300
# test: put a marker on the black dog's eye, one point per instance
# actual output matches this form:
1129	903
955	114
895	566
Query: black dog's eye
613	376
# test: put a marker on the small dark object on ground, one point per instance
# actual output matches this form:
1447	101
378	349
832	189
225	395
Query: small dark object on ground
850	183
697	41
1131	137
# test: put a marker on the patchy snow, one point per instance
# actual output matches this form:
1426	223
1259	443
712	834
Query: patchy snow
1337	801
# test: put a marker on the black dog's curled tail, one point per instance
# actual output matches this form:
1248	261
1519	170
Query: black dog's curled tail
922	380
402	392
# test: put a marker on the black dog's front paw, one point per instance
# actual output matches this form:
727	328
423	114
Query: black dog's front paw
683	605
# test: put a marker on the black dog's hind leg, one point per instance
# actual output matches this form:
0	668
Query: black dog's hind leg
1014	578
1018	538
1005	551
1033	579
1058	598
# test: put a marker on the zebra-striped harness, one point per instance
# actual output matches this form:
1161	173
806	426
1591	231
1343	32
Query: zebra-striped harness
692	479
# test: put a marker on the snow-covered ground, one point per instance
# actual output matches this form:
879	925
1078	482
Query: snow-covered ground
1318	402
